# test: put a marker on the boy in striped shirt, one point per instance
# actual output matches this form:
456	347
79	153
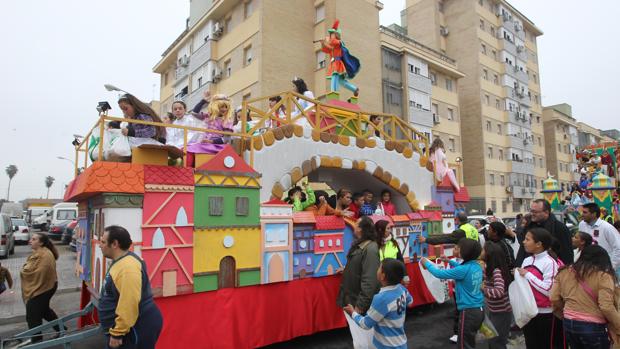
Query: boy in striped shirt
387	310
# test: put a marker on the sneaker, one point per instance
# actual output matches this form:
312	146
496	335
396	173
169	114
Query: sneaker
454	338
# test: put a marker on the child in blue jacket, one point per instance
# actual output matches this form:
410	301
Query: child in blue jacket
469	297
388	308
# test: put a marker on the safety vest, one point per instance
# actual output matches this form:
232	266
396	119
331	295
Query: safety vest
389	250
470	231
609	219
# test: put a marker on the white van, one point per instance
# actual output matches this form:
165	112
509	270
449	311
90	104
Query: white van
63	212
43	220
7	240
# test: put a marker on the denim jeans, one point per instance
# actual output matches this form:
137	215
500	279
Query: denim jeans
586	334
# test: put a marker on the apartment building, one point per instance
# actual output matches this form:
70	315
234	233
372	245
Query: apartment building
499	97
588	135
420	84
561	140
254	48
613	134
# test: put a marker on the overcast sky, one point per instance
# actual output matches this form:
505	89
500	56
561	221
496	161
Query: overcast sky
56	56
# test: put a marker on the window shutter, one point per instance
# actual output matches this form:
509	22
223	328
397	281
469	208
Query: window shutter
242	205
216	205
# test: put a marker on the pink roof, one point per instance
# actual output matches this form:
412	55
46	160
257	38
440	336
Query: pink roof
168	175
432	215
329	222
274	202
217	163
376	218
400	218
304	217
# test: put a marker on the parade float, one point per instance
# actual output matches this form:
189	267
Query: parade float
231	265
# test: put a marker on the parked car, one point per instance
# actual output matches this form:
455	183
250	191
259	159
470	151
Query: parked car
56	230
67	235
510	222
21	233
473	218
7	239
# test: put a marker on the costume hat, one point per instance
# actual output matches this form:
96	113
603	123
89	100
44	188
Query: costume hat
335	28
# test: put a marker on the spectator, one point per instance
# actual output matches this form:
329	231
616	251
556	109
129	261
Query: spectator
356	205
495	290
580	241
603	233
539	269
606	216
388	308
542	217
39	282
5	279
135	109
368	208
359	278
497	234
386	206
469	298
583	295
489	212
388	247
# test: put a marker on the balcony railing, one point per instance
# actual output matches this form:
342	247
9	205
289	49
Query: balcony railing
411	41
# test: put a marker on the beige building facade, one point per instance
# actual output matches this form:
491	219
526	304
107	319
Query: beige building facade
500	106
561	143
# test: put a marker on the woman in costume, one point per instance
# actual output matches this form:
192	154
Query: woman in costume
336	71
440	164
135	109
219	117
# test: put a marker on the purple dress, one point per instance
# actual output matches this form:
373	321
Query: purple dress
218	140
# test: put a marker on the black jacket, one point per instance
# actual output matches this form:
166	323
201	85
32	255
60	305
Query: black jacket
559	231
452	238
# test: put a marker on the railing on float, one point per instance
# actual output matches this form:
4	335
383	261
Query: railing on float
320	117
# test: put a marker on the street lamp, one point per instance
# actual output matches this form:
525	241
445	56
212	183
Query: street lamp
111	87
63	158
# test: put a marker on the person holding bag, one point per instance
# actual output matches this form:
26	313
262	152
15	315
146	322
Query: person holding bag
583	295
495	291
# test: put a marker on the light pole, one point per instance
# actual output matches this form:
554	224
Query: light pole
63	158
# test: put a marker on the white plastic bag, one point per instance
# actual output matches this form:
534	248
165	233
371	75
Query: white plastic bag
119	145
522	300
487	329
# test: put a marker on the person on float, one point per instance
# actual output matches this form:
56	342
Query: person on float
301	198
375	123
39	282
388	247
336	70
301	88
182	118
219	117
359	279
368	207
539	269
386	206
468	277
128	315
583	295
437	156
542	217
356	205
135	109
322	208
344	199
280	113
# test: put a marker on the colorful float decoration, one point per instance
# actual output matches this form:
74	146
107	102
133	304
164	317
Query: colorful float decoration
602	189
551	192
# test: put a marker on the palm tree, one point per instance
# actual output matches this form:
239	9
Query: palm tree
11	171
49	180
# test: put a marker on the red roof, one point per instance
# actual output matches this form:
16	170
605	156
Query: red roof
220	161
304	217
432	215
274	202
107	177
462	195
329	223
168	175
400	218
445	183
376	218
415	216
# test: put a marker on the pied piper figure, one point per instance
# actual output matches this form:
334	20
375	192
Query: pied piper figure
337	72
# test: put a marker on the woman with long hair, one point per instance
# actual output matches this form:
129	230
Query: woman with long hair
498	277
388	247
583	294
359	278
39	282
135	109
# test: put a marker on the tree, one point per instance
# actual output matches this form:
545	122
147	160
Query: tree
49	180
11	171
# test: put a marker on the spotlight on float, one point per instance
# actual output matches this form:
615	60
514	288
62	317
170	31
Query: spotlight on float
103	107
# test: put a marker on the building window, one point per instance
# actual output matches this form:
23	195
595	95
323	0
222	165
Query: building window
539	142
451	144
319	13
440	6
493	33
200	82
228	24
541	162
309	261
247	55
435	109
559	148
488	126
497	104
227	68
538	119
494	205
322	243
483	48
490	152
482	24
499	129
485	74
247	8
242	206
433	77
502	180
535	78
450	114
501	154
216	205
487	100
565	148
448	84
320	60
492	179
495	79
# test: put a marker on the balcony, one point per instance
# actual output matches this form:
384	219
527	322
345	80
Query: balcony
509	46
522	167
520	192
419	82
200	56
421	117
518	95
522	53
520	143
182	71
193	98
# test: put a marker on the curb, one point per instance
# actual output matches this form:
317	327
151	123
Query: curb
22	318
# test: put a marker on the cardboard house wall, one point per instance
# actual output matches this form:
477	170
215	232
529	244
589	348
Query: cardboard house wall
276	242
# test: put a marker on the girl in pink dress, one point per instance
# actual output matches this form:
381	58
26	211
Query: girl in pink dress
440	164
219	117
